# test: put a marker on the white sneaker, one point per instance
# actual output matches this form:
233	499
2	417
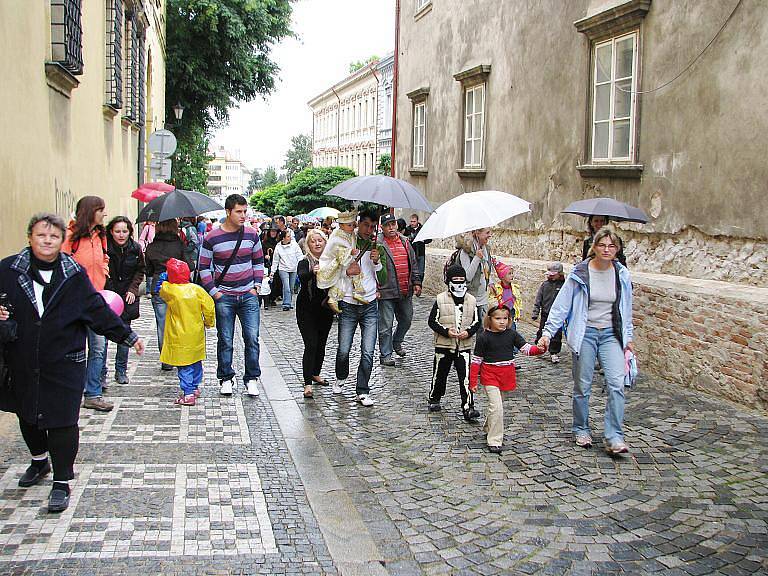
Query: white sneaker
336	388
252	388
555	359
226	387
365	400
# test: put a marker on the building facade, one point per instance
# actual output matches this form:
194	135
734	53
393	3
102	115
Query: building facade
344	122
386	70
558	101
83	87
226	174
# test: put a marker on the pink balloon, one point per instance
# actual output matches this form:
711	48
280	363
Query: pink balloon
113	300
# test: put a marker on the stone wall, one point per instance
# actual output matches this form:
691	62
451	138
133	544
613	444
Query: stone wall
702	334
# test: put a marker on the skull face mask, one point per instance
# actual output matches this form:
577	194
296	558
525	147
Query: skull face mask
458	288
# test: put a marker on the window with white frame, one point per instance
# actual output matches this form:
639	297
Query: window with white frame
474	125
613	99
421	3
419	133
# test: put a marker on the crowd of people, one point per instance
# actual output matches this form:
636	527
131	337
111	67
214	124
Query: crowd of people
360	269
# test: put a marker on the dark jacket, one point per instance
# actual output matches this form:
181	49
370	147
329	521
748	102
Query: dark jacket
126	271
419	248
47	360
309	302
389	289
164	247
545	296
588	244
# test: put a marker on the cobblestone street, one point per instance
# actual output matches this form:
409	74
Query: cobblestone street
283	485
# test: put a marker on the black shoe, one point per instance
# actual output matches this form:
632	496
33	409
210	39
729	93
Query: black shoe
34	474
399	351
434	407
58	499
389	361
495	449
471	415
166	367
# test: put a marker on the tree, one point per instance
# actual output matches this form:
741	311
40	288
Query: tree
265	200
190	162
355	66
255	183
385	164
270	177
306	191
299	156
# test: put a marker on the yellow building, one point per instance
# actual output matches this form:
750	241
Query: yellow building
83	87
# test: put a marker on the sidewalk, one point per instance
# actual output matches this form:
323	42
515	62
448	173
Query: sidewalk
283	485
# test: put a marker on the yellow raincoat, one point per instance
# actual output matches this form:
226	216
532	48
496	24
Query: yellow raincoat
189	307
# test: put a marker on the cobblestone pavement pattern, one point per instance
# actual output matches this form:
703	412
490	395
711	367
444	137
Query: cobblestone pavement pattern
692	499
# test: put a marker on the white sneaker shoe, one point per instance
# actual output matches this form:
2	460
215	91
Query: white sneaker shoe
226	387
555	359
365	400
252	388
336	388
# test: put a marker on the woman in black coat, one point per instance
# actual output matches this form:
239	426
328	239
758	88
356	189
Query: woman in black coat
126	271
314	319
53	304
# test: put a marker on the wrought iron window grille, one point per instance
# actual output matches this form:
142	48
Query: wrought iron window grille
114	80
67	35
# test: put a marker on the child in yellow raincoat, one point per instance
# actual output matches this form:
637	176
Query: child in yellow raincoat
506	293
190	311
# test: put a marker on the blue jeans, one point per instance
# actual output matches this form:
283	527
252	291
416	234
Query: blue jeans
400	308
97	358
603	344
246	308
366	315
160	308
121	359
287	278
190	377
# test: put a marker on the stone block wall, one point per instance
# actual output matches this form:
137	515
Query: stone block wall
702	334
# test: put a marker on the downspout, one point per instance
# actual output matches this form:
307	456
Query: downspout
313	138
395	74
376	120
338	126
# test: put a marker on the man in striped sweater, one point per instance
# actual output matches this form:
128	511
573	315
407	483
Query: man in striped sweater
234	283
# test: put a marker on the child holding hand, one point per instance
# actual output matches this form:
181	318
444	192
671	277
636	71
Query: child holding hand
493	366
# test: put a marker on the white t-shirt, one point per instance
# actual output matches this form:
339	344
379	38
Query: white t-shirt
368	269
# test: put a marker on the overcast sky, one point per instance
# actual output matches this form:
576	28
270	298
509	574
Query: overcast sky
331	34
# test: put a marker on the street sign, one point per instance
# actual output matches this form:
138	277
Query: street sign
160	168
162	143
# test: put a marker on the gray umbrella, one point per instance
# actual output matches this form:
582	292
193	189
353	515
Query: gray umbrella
177	204
614	209
383	190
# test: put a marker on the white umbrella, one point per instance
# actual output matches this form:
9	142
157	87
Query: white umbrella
471	211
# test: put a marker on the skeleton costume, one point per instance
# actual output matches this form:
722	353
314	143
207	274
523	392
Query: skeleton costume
453	309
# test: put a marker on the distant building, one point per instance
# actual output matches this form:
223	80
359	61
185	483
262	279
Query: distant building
385	69
344	122
226	174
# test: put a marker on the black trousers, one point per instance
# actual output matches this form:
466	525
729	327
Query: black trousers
441	366
556	343
60	443
314	325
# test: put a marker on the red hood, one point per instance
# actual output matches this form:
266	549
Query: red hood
178	271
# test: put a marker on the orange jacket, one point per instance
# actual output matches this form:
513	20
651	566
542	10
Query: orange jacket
91	254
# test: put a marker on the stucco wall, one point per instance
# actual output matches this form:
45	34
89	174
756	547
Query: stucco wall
702	140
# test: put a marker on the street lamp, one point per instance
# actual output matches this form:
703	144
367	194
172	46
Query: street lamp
178	111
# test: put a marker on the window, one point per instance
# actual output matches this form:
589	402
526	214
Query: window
474	117
419	133
613	99
67	35
421	4
114	79
131	67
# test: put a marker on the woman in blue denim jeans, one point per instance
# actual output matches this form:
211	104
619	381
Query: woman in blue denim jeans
596	299
285	261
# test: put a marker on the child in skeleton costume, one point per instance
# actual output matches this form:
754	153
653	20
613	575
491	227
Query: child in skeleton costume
454	320
339	253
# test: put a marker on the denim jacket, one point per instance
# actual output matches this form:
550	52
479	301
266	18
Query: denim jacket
572	303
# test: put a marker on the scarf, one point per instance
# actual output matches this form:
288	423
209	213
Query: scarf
36	265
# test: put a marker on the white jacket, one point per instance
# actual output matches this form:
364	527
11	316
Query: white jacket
286	257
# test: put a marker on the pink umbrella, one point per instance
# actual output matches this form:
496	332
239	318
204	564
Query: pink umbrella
151	190
161	186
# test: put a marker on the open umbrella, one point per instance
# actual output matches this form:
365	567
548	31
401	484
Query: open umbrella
383	190
304	218
614	209
148	191
177	204
324	212
472	211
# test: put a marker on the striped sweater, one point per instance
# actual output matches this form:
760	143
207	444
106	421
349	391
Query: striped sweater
247	269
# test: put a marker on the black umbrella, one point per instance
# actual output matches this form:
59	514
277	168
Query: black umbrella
177	204
383	190
614	209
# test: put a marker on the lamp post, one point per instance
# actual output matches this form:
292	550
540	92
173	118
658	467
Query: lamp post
178	112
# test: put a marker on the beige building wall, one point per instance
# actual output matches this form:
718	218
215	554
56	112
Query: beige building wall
344	123
58	147
699	168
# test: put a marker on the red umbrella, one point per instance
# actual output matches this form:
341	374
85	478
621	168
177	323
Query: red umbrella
151	190
161	186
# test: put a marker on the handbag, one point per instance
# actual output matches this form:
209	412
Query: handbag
630	369
7	395
231	258
266	287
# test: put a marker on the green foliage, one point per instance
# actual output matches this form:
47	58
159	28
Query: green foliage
190	162
384	166
355	66
266	200
306	191
299	156
255	183
270	177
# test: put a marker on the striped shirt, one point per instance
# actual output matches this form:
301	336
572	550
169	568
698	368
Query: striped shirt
247	269
400	260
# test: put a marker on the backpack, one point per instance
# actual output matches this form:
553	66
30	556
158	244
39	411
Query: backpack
452	259
191	246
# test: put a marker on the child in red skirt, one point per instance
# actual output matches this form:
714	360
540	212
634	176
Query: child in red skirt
493	365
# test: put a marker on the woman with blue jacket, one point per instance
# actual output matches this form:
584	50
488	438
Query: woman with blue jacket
596	304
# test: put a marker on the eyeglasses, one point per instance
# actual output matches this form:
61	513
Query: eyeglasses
606	246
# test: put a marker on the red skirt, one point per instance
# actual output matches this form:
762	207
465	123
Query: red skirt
503	377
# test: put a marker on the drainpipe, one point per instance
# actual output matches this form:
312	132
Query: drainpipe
376	119
395	74
338	126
